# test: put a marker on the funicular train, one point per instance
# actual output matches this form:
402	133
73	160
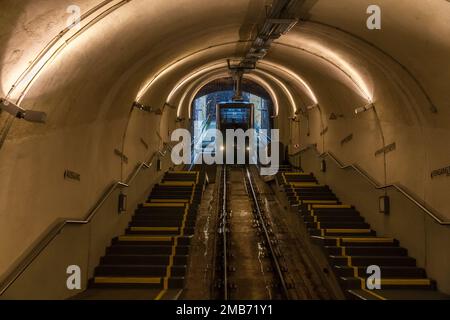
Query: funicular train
233	116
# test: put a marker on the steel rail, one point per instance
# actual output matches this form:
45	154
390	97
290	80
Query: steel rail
224	234
275	261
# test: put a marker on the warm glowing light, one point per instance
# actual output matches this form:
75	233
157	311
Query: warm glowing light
344	66
191	76
198	72
26	79
255	78
268	88
172	66
351	72
199	87
294	75
286	90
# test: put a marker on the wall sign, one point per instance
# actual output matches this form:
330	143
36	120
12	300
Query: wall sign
71	175
386	149
347	139
121	155
441	172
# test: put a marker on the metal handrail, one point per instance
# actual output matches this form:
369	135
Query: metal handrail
378	186
59	225
311	146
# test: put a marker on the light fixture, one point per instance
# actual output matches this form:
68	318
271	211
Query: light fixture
159	165
145	108
142	107
171	106
285	89
384	204
364	108
323	165
122	203
312	107
292	74
18	112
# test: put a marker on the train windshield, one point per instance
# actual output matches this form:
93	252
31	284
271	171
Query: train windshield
235	117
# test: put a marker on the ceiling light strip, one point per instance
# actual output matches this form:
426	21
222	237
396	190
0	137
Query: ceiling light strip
58	43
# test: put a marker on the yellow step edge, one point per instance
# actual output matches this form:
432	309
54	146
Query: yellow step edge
348	230
368	240
332	206
305	184
170	200
126	280
183	172
165	204
145	238
161	295
406	282
296	174
319	201
177	184
154	228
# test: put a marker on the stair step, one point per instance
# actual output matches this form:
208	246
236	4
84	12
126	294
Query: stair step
365	261
164	216
330	219
136	282
402	283
154	240
367	251
139	270
343	232
169	225
187	231
339	225
146	250
125	259
386	272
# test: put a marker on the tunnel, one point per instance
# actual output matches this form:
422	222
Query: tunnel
349	106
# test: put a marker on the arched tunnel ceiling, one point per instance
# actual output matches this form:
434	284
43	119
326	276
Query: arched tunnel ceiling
226	84
162	52
137	41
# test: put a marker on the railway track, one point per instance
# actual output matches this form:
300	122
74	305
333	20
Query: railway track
250	265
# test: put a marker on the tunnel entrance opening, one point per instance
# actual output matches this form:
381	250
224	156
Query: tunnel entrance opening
213	110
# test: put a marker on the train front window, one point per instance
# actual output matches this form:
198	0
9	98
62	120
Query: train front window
235	118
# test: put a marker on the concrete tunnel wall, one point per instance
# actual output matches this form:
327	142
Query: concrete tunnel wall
88	89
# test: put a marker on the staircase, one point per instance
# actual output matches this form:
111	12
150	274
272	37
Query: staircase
153	252
351	245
